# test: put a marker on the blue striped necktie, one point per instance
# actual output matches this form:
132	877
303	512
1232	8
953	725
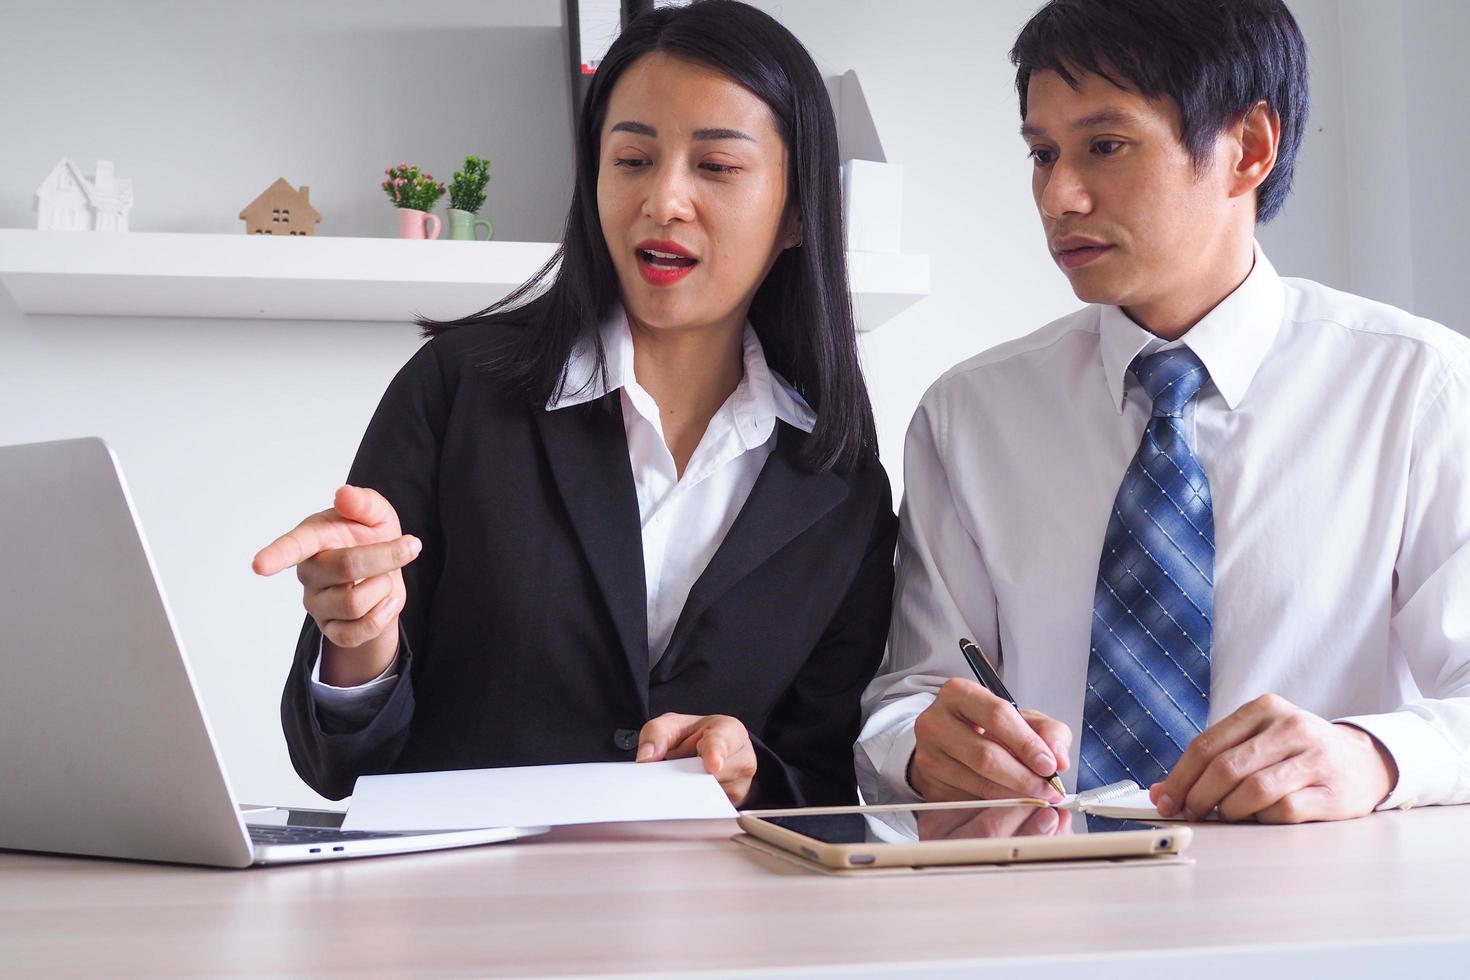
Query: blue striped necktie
1148	676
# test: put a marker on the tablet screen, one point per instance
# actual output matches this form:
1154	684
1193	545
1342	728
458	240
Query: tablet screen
966	823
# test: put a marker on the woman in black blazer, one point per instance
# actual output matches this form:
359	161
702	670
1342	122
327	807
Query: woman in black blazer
635	510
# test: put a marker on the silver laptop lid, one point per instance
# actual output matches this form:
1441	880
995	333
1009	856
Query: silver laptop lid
104	748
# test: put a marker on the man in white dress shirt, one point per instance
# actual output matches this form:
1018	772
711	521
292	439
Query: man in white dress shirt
1217	523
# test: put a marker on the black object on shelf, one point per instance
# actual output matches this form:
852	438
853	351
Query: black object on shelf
583	65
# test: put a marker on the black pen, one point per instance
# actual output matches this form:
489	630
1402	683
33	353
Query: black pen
990	680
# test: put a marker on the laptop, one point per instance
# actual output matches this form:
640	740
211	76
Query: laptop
105	748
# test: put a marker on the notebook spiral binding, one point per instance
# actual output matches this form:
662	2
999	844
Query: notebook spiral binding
1102	794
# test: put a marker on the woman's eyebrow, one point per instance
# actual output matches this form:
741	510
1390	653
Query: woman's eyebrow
722	134
643	129
637	128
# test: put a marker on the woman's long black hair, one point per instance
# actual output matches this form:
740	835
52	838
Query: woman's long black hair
802	312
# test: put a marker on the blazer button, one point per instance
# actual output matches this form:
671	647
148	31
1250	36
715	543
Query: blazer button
626	739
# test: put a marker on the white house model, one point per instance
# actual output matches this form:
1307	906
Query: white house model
68	200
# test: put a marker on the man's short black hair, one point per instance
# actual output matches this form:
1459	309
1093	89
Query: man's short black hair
1215	58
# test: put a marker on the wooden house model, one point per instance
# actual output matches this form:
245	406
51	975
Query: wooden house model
69	200
281	210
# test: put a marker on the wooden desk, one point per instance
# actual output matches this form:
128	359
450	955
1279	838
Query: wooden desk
1386	894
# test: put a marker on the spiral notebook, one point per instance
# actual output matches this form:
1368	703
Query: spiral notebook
1124	800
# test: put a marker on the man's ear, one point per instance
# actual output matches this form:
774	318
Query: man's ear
1257	137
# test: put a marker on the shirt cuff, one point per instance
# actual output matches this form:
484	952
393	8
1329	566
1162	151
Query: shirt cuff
1428	765
331	696
884	749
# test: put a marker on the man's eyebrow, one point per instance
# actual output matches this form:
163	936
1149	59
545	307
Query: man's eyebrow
1103	117
643	129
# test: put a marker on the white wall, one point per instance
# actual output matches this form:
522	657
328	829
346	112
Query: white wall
1376	212
1381	206
1311	236
1437	85
233	430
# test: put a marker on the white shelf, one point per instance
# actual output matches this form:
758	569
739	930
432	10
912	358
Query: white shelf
159	274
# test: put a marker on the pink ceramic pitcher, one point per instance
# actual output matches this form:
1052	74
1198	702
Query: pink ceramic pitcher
417	224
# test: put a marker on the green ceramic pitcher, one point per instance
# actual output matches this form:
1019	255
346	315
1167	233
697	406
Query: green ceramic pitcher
465	226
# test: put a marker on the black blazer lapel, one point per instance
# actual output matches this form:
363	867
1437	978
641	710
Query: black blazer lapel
588	450
785	501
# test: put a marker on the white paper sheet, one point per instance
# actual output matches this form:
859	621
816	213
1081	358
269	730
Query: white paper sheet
537	796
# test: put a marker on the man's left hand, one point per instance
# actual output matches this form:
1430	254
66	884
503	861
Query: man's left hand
1280	764
719	740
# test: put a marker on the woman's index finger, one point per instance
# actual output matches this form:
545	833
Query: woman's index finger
306	539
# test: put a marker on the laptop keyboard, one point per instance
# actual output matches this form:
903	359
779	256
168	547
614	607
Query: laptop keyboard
309	835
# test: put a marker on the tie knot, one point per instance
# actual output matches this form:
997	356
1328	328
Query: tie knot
1171	378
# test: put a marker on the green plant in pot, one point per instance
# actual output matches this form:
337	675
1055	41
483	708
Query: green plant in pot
414	194
466	197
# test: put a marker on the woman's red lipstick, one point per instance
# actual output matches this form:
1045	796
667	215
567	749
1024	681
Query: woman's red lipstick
662	262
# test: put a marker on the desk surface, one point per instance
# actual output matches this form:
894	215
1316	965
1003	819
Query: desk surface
1352	898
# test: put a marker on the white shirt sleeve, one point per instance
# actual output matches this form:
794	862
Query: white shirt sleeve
943	592
1429	738
350	708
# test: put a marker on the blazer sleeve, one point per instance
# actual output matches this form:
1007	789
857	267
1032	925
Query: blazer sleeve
399	458
804	754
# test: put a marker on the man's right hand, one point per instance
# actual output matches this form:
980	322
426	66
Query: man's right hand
349	560
971	745
992	822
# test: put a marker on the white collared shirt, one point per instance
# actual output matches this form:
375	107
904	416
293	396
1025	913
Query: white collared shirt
1335	433
684	519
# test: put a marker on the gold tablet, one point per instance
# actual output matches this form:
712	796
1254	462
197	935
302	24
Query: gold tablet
928	834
